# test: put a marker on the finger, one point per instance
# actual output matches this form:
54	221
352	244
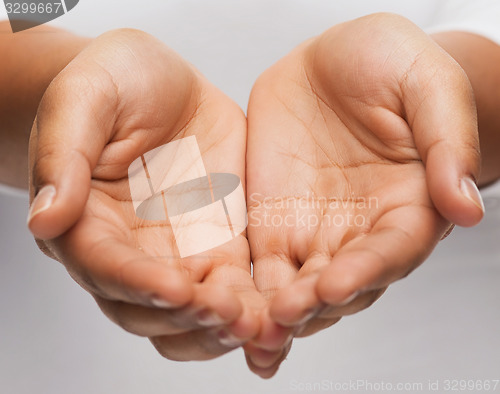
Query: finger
298	302
314	315
390	252
359	303
208	343
199	345
272	272
397	244
235	274
211	306
272	336
441	112
265	352
107	263
327	316
74	123
262	358
269	371
315	325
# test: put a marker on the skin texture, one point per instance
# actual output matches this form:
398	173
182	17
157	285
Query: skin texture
480	57
122	96
360	113
30	61
365	132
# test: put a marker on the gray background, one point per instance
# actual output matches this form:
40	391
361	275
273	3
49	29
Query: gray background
442	322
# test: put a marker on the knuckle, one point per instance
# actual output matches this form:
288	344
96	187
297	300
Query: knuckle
45	157
79	86
67	84
472	153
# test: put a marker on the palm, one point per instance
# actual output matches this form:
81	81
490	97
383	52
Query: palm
110	214
342	166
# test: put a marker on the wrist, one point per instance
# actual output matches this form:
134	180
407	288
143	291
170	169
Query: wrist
480	57
35	58
32	59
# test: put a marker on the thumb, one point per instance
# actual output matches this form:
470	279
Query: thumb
441	112
72	127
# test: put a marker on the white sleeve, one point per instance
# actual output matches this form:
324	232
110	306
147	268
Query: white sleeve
475	16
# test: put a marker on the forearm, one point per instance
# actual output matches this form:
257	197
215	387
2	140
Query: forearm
480	58
28	63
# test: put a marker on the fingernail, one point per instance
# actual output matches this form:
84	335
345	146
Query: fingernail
349	299
208	318
261	363
288	340
265	359
161	303
299	329
448	232
229	340
469	189
42	201
310	313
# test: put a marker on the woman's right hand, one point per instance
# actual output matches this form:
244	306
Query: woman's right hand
123	95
